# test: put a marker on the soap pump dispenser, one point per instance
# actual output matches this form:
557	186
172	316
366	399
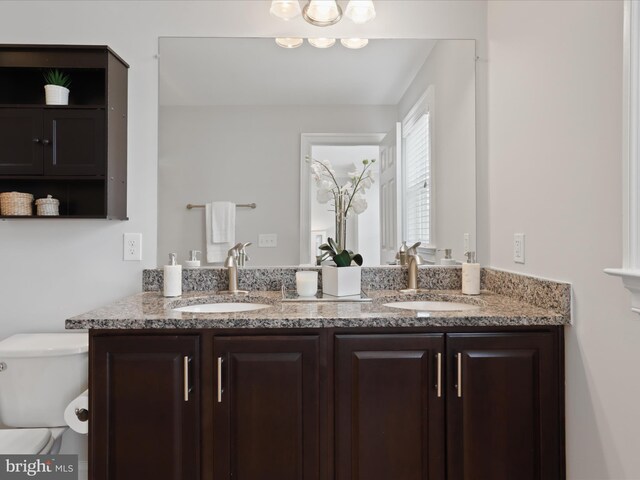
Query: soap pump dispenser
193	261
172	286
447	259
471	275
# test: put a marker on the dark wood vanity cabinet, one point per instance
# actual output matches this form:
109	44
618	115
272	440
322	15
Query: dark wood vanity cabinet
389	409
78	152
145	408
453	404
267	408
503	406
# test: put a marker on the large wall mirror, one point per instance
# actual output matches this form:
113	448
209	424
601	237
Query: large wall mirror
238	116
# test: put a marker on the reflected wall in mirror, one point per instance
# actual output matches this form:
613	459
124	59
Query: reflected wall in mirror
238	115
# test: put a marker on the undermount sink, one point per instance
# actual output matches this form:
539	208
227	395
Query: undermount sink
222	307
433	306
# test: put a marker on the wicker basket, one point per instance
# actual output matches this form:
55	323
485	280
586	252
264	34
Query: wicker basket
16	203
47	206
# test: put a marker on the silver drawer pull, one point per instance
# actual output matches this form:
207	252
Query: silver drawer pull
439	374
219	379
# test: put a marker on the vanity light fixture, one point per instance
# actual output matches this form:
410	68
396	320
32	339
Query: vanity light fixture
322	42
285	9
289	42
322	13
354	43
360	11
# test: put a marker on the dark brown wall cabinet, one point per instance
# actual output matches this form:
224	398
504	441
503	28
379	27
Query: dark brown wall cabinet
145	403
320	405
78	152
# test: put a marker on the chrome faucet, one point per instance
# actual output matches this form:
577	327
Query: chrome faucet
231	264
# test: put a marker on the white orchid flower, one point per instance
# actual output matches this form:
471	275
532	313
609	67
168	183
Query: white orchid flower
359	204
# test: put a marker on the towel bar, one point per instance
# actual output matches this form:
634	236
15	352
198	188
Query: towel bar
242	205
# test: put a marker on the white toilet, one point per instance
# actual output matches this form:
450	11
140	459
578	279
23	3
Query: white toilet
40	374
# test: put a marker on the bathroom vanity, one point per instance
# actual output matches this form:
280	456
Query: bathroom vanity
333	390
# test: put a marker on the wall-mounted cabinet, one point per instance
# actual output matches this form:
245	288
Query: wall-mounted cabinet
78	152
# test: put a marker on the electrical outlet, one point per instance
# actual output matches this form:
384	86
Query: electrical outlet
132	247
518	247
268	240
467	242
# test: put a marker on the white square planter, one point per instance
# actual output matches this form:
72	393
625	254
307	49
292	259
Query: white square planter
341	281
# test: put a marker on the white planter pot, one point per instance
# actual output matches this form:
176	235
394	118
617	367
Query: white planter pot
341	281
56	95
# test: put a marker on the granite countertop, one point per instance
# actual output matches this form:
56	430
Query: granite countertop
149	310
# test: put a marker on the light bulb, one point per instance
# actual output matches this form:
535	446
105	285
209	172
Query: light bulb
354	42
289	42
322	42
322	13
360	11
285	9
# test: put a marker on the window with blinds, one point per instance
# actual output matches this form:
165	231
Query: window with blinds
417	180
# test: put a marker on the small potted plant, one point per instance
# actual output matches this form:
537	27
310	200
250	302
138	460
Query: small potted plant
56	87
344	278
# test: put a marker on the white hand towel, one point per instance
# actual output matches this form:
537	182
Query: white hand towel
217	250
223	222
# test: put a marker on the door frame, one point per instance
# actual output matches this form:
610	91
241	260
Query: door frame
307	142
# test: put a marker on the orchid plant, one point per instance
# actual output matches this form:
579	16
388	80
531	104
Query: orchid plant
345	198
348	197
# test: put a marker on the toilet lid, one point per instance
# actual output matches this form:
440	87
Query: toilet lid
23	441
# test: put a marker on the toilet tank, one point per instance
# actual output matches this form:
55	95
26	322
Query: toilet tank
40	374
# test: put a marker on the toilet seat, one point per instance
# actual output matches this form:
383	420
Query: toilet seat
23	441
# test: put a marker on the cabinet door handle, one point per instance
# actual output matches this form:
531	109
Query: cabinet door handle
459	358
35	140
185	364
219	379
55	148
439	374
45	142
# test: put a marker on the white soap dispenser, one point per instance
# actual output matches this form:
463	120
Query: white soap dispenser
172	278
471	275
447	259
193	261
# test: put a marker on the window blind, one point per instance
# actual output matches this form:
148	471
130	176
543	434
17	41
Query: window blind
417	181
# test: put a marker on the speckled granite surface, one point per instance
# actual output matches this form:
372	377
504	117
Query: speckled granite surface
149	310
536	291
388	277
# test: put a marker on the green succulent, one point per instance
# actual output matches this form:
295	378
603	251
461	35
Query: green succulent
56	77
341	259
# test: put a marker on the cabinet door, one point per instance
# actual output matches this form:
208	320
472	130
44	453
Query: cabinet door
266	412
74	142
503	407
389	407
20	141
144	405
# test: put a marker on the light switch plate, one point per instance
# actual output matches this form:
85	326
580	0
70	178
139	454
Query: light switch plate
132	247
267	240
518	247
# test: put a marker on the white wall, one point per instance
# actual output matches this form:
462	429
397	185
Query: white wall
555	90
201	148
450	69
